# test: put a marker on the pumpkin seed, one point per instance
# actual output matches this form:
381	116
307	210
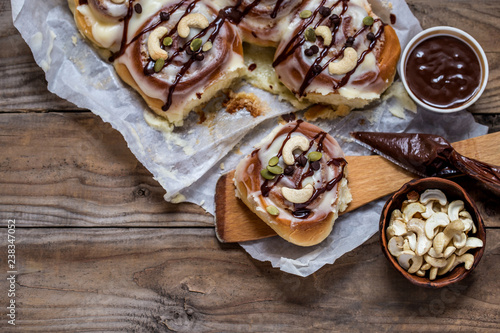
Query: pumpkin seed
272	210
314	156
167	41
159	65
196	44
274	161
207	46
305	14
277	170
310	35
368	20
266	174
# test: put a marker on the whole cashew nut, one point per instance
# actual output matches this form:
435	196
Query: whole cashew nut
118	1
154	49
325	32
423	243
296	142
347	64
298	195
194	20
443	238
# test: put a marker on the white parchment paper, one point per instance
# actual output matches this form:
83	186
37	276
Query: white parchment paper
191	159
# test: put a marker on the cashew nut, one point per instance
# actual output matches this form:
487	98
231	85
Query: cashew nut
298	195
433	195
423	243
435	262
296	142
449	263
454	208
436	220
396	228
467	259
325	32
412	240
433	273
346	64
193	20
471	243
395	245
118	1
154	49
443	238
412	209
446	254
406	257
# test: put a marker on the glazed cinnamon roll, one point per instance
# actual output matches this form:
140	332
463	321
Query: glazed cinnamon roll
176	54
337	52
295	181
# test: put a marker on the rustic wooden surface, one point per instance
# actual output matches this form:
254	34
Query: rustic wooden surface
99	250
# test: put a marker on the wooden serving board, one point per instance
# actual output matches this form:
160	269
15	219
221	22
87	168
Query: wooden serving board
370	178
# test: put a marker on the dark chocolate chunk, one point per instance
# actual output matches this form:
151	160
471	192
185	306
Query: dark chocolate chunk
164	16
324	11
138	8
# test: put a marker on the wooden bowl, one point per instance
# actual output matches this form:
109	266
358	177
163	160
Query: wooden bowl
452	192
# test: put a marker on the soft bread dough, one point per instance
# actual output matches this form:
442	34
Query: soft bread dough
324	209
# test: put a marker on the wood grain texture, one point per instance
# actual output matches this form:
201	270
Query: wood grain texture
71	169
370	178
23	86
143	280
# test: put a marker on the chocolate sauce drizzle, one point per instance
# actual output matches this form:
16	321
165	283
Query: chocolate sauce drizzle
276	8
300	210
234	15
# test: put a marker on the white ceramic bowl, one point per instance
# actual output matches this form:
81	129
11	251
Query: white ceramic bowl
453	32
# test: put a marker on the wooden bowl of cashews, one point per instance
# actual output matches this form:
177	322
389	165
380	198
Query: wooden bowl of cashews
432	233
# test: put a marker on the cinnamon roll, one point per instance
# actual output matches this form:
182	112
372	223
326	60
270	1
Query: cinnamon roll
179	53
176	54
295	181
337	52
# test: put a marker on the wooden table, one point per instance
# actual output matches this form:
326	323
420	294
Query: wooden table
98	249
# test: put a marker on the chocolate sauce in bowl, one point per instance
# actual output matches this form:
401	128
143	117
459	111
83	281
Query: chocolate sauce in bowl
443	72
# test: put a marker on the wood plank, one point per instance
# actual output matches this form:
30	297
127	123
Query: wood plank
183	280
71	169
23	86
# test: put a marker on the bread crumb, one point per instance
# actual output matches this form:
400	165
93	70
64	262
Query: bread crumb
320	111
74	39
403	100
242	100
221	166
178	198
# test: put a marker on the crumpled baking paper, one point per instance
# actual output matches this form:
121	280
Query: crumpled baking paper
190	159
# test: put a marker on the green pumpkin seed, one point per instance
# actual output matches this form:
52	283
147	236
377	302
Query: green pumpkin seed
266	174
196	44
207	46
305	14
274	161
314	156
368	20
167	41
159	65
310	35
272	210
277	170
